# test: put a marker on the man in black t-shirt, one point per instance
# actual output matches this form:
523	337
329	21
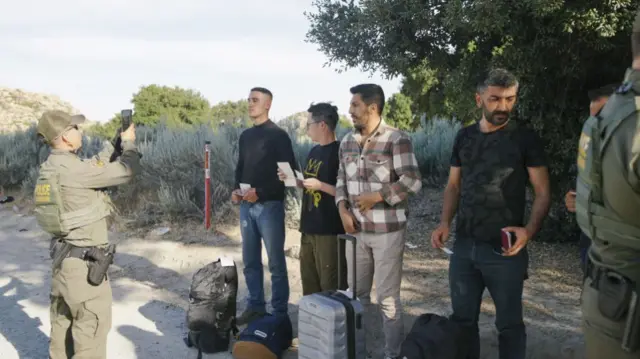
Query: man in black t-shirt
320	221
490	165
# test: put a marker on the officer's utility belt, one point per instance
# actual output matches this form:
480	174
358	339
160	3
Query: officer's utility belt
617	300
98	259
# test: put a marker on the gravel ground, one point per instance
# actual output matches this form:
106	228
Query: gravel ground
551	295
152	274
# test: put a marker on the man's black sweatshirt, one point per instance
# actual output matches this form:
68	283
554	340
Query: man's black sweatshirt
261	147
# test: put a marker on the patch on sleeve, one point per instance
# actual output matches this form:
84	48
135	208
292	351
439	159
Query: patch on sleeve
43	193
583	148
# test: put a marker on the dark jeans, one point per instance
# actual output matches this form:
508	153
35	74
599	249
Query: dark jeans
475	265
264	222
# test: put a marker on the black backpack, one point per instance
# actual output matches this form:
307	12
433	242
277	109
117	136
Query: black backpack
434	337
211	317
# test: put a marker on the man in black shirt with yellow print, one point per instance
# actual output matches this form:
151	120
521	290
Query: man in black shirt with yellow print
319	219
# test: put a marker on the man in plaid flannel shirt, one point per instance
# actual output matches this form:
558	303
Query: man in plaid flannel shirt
378	170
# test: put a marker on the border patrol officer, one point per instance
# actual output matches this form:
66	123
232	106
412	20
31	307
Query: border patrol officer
607	208
597	99
71	206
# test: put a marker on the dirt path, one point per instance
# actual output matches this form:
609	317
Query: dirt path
152	274
150	281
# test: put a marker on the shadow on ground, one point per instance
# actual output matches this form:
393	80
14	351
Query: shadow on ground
551	300
17	327
168	330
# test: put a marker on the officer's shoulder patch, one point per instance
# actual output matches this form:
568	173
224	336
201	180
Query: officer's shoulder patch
583	148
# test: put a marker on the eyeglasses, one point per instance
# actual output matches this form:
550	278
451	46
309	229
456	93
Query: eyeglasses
311	123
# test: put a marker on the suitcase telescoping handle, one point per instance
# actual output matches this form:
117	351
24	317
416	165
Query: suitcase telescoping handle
352	239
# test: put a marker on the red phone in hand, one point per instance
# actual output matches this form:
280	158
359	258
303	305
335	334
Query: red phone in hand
507	239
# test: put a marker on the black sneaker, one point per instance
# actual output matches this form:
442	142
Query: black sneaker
249	316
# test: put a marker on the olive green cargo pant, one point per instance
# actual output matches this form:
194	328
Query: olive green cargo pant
602	336
80	313
319	263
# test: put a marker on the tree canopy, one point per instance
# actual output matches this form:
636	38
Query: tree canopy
559	50
397	112
231	112
177	104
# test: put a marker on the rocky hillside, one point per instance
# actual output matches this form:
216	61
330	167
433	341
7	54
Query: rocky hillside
19	109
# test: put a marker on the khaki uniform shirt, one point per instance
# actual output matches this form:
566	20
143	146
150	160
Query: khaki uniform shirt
621	184
81	181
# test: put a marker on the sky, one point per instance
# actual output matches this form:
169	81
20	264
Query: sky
97	54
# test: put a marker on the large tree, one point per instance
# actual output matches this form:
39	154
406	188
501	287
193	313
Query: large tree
397	112
235	113
558	49
177	105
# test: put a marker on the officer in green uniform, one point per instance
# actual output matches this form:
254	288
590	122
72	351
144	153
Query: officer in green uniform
608	211
71	205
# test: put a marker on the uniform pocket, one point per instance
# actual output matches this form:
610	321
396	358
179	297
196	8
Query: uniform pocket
89	322
592	316
74	284
95	318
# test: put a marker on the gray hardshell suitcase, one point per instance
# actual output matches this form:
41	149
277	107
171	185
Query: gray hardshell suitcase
330	323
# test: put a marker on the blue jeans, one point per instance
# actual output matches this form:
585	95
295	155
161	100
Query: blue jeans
264	222
475	266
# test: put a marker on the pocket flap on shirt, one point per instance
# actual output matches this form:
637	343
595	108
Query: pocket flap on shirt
378	159
350	158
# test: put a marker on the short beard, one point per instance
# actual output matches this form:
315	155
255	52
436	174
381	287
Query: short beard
491	116
358	126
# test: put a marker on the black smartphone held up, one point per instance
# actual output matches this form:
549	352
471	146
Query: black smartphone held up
127	116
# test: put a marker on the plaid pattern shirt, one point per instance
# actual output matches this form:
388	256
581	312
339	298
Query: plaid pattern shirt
386	164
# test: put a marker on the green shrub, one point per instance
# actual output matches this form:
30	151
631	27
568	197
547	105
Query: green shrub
432	144
21	154
171	185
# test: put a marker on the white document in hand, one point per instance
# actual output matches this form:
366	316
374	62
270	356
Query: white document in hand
447	250
299	175
291	178
226	261
244	188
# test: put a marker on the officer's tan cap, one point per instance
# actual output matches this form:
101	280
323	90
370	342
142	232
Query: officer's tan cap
53	123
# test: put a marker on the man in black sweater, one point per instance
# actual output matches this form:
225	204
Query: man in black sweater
262	213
